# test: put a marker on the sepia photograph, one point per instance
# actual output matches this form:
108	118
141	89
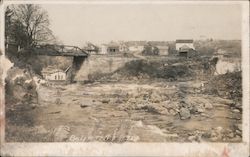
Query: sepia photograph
117	73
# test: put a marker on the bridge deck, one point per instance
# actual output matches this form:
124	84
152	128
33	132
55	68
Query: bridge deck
57	50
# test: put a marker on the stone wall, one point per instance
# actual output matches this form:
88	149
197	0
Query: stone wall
101	64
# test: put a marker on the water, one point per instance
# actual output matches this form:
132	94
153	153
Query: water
225	65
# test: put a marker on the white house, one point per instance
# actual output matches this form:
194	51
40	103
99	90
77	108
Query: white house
110	48
184	44
52	74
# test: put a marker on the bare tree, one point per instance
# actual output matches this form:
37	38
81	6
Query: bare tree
30	24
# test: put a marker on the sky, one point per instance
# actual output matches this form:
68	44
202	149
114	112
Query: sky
76	24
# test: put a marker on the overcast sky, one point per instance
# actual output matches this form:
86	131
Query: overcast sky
75	24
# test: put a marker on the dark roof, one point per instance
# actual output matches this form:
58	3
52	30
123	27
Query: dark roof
185	41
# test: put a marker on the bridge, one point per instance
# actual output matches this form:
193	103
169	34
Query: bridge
57	50
78	55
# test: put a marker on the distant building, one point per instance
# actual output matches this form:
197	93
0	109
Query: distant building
123	47
163	50
187	44
103	49
185	48
111	48
91	48
52	74
134	48
150	50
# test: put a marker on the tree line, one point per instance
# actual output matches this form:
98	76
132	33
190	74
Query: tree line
27	25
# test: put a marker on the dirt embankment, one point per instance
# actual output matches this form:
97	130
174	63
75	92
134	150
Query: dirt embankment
96	66
150	69
227	85
170	70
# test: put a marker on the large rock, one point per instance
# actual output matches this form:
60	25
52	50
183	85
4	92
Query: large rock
238	127
184	113
84	105
198	104
172	107
105	101
153	108
236	110
208	106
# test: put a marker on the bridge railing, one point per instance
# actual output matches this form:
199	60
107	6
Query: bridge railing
61	49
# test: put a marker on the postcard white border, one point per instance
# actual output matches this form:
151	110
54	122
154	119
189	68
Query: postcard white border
137	149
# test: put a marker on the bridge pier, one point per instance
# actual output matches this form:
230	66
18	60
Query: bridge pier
76	66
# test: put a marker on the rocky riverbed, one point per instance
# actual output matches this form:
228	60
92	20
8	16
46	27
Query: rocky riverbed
120	112
144	101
